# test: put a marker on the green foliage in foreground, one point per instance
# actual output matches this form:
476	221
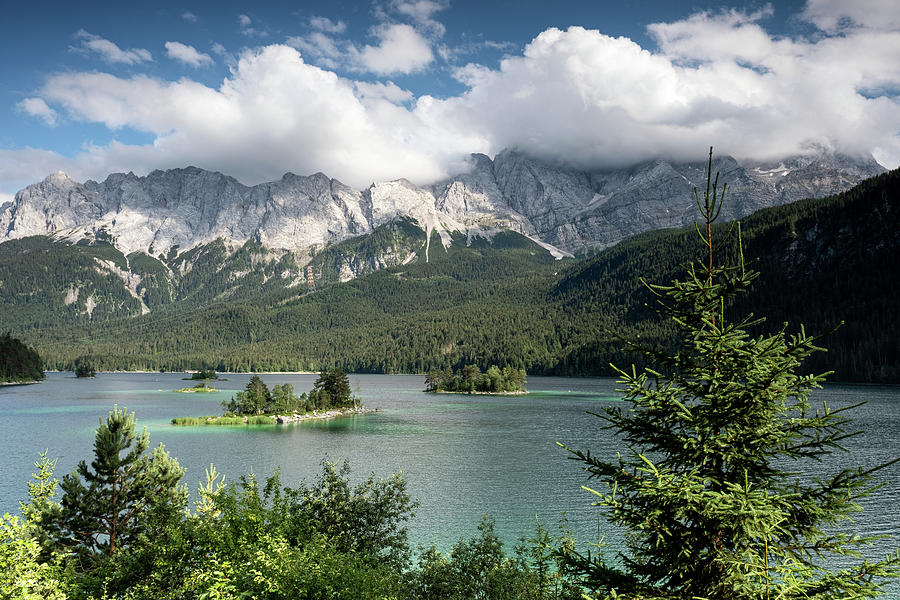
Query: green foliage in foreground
18	362
327	539
470	379
711	489
121	497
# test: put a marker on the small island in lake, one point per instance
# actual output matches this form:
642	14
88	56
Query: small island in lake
470	380
204	375
257	405
200	388
84	369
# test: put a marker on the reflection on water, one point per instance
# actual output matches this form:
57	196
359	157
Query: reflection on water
462	456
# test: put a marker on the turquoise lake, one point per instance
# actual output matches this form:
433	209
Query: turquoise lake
462	456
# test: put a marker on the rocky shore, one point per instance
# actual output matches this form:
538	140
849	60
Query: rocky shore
326	414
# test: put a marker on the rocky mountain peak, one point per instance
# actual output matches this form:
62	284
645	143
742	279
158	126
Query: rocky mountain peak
568	208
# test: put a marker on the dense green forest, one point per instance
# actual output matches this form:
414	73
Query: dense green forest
18	362
503	301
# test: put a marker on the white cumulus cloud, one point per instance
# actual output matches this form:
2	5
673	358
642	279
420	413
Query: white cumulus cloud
109	51
832	15
36	107
584	97
276	113
574	95
188	55
401	49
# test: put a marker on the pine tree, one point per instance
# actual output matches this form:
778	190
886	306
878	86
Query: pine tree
710	490
122	495
332	388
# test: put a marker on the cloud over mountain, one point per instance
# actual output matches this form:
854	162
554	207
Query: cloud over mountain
573	95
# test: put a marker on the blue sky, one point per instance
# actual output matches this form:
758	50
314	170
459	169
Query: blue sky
369	91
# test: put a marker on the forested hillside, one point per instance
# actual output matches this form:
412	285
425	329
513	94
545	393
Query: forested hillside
467	304
821	263
500	301
18	362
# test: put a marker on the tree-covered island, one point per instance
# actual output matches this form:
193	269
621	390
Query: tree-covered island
257	405
470	380
202	375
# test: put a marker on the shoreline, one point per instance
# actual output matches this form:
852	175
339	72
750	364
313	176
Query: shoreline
328	414
276	419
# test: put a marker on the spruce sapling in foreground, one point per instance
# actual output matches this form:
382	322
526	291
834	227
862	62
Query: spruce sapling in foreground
709	486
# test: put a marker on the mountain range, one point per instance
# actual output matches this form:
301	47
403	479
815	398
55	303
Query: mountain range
574	211
190	269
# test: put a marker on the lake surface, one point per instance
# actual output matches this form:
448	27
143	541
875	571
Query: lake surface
462	456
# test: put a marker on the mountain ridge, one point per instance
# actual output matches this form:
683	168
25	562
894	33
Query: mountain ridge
576	211
499	300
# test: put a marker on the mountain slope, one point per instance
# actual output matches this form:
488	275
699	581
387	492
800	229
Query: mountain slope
472	301
821	262
496	297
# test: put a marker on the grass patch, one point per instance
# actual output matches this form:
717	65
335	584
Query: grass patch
192	420
233	420
260	420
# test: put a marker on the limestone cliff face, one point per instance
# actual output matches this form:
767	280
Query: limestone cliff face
571	209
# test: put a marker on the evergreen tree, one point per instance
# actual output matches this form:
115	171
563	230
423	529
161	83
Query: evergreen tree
258	396
709	492
254	400
332	388
122	495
